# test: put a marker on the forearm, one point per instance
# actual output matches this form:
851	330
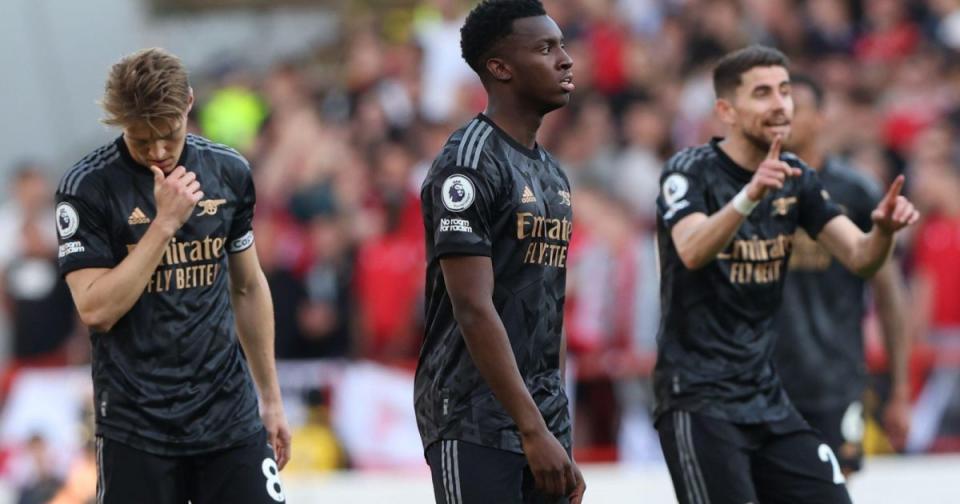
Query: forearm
490	350
871	252
699	242
253	310
888	293
108	297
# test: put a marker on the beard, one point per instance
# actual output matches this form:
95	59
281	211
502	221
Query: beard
759	142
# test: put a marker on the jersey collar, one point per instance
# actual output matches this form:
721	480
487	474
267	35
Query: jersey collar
139	168
533	153
729	165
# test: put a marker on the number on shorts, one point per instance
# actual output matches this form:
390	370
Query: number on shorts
272	473
826	455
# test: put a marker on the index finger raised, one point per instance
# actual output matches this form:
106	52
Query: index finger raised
895	189
774	152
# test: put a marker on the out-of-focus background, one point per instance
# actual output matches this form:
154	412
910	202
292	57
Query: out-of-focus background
341	106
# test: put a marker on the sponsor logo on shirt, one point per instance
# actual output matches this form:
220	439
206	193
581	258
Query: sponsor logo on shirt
455	225
67	220
186	264
137	217
209	207
808	255
70	248
757	261
527	196
564	198
549	239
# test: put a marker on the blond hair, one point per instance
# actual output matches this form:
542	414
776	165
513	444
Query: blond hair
149	85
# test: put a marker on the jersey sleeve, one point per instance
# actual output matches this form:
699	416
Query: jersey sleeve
83	231
816	207
682	191
461	209
240	235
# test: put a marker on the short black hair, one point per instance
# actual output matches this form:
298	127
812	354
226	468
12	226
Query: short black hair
730	68
488	23
810	83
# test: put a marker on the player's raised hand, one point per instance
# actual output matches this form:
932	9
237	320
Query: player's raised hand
177	195
552	468
771	174
895	211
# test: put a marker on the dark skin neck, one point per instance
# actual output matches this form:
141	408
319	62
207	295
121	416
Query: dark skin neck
510	114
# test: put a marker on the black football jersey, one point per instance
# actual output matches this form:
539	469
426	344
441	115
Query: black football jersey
487	195
716	337
169	378
819	351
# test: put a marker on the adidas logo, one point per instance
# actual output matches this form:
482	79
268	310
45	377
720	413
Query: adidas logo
527	196
138	217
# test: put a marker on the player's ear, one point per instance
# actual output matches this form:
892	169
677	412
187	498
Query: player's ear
499	69
725	111
190	100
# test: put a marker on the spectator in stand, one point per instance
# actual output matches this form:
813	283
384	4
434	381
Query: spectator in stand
936	280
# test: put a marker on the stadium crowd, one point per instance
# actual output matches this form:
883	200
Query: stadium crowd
340	139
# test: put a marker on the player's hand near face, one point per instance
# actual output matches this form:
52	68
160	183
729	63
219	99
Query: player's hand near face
771	174
552	468
278	432
176	194
894	212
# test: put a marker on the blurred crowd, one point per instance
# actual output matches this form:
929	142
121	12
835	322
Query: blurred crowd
341	137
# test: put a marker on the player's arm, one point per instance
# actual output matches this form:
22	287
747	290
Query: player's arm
253	309
698	238
888	293
104	295
469	281
864	253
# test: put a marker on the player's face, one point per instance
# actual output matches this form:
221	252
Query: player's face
807	119
541	66
161	147
763	105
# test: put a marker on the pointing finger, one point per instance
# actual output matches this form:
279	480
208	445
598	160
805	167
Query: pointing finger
774	152
891	198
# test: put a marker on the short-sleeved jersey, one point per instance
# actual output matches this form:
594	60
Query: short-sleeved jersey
716	338
169	378
819	351
487	195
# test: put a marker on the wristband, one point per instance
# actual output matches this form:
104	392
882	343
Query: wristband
743	204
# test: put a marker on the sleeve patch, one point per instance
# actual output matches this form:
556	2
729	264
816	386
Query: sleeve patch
242	243
67	220
458	193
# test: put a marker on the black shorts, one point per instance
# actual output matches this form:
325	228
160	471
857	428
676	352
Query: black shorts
842	428
465	473
243	474
717	462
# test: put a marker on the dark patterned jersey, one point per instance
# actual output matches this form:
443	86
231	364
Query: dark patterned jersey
716	337
819	352
487	195
169	377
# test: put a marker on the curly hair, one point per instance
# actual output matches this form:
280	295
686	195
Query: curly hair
488	23
149	85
